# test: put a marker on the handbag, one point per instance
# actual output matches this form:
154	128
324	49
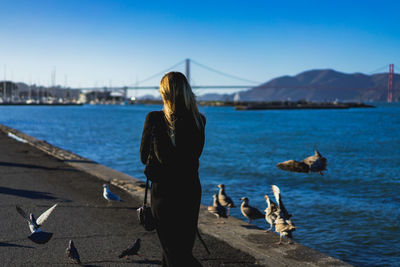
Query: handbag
144	213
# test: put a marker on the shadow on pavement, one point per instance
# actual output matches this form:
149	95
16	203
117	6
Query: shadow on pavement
145	261
2	244
30	166
158	262
26	193
250	226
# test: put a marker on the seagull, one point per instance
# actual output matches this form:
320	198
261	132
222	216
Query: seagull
37	235
315	163
283	224
270	212
72	252
217	209
293	166
250	212
110	196
223	199
284	214
131	250
284	228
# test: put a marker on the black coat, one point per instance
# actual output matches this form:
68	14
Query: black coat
176	194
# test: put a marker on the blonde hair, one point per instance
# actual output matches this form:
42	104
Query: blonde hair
178	97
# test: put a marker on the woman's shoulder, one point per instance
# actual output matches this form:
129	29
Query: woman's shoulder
154	115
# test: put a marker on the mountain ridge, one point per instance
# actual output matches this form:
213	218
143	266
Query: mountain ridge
321	85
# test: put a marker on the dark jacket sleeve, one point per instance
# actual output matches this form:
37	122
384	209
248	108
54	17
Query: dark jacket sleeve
146	138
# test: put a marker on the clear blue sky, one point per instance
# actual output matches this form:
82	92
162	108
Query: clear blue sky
94	42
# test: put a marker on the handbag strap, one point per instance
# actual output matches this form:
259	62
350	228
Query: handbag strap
145	192
151	151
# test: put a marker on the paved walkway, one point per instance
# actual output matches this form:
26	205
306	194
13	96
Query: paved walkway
35	181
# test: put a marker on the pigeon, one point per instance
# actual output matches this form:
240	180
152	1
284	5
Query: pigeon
110	196
131	250
270	212
37	235
284	228
284	214
72	253
250	212
315	163
223	199
217	209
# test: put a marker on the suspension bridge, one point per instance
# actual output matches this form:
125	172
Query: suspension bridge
246	83
11	92
123	90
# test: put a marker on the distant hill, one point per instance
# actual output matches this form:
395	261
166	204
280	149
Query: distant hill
324	85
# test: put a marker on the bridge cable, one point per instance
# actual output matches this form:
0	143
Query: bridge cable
223	73
379	69
159	73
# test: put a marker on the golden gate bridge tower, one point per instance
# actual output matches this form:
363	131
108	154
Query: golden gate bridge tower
390	84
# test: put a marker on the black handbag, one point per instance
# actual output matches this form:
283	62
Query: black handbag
144	213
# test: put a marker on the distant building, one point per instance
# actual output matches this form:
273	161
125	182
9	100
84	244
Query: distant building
97	96
50	94
8	91
236	98
82	98
104	97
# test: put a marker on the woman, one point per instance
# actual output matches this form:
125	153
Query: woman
178	139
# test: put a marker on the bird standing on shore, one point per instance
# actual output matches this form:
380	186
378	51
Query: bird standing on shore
250	212
37	235
110	196
270	212
224	200
72	252
315	163
131	250
217	209
283	224
284	214
284	228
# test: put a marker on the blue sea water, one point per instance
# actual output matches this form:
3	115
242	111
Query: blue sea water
351	212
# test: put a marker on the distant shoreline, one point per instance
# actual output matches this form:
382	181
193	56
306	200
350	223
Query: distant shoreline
300	105
272	105
252	105
40	104
285	105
